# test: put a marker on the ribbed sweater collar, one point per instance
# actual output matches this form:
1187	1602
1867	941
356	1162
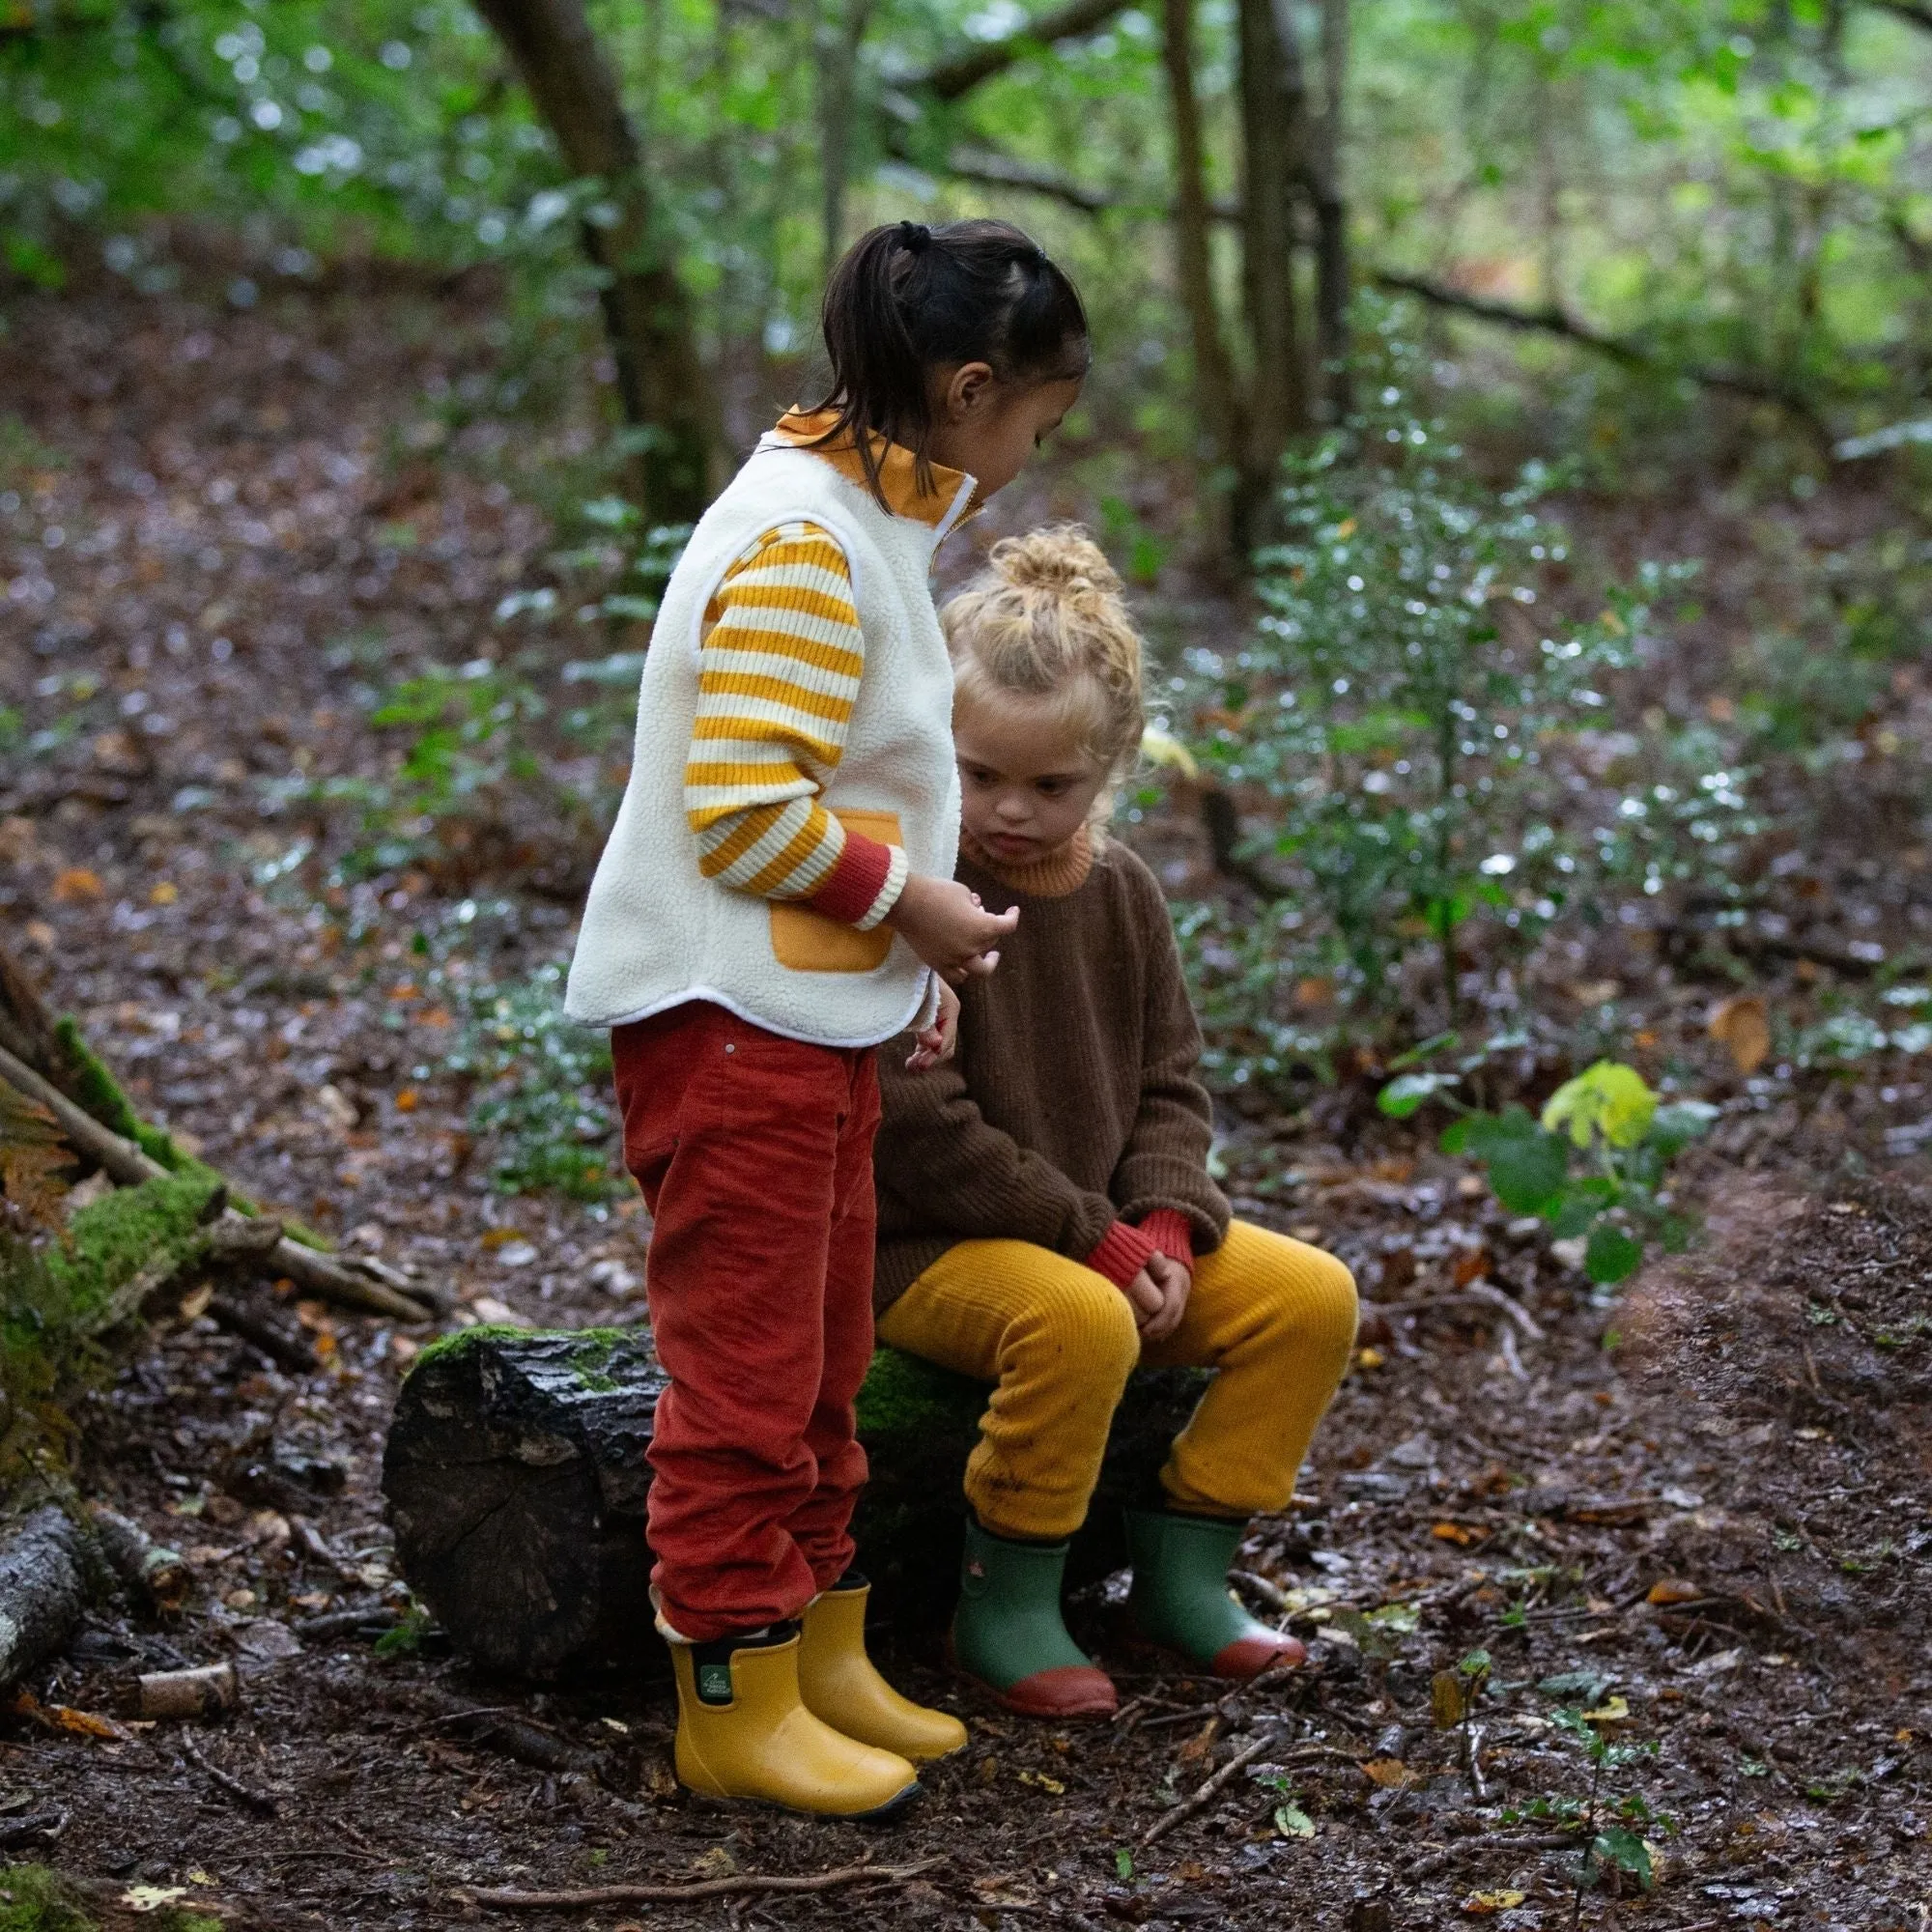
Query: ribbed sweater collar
1054	876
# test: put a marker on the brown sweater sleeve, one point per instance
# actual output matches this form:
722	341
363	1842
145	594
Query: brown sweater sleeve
953	1174
1165	1164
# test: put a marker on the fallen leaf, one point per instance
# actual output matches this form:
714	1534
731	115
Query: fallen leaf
164	893
39	933
1460	1534
77	883
1471	1264
1199	1743
1479	1904
1390	1772
502	1238
1370	1358
1448	1701
1040	1781
1742	1027
1673	1590
1613	1711
152	1897
1293	1822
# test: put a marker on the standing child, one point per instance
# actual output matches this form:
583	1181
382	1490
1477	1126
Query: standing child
1046	1218
775	900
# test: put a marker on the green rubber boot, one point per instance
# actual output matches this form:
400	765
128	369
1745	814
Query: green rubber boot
1181	1599
1008	1631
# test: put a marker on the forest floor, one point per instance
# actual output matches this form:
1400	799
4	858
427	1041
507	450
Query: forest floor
1699	1513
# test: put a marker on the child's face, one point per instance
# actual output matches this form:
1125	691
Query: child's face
1026	784
990	429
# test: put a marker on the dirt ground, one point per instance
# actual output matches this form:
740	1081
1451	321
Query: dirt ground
1700	1514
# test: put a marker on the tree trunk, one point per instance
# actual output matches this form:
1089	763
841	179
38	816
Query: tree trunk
660	380
1331	214
1274	104
1213	375
841	32
516	1482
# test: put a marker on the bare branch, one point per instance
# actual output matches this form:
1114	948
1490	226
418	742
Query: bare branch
951	79
1914	13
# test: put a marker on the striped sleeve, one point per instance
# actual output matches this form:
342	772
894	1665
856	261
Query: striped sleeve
778	674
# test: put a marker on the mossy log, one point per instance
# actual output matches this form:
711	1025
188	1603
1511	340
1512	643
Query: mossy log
517	1481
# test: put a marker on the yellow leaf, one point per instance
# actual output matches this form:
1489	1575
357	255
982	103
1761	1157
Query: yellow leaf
1040	1781
1607	1098
1370	1358
1446	1700
1158	748
1390	1772
86	1722
1742	1027
1479	1904
164	893
1613	1711
152	1897
1458	1533
1673	1590
77	883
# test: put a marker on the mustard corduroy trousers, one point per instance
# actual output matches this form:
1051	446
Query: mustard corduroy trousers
1275	1319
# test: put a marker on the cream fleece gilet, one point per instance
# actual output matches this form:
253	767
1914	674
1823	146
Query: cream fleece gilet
656	933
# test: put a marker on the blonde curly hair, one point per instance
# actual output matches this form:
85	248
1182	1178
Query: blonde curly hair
1047	621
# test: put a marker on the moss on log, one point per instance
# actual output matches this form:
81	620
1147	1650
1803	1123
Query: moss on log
516	1479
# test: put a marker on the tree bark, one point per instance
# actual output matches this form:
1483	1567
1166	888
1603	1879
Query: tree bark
42	1592
517	1483
1213	374
1273	108
648	315
841	32
1325	191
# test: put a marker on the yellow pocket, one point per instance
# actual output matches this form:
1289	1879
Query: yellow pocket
807	942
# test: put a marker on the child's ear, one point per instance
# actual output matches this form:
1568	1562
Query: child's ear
967	390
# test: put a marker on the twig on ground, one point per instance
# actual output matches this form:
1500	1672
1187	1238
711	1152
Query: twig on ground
1209	1791
676	1895
376	1617
1520	1841
1271	1593
262	1803
1473	1761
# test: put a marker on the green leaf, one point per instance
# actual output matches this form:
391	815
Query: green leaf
1408	1092
1124	1864
1612	1256
1679	1123
1625	1850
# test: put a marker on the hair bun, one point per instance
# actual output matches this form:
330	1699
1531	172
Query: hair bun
1064	560
913	237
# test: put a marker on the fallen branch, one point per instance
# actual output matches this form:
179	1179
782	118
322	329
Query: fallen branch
260	1803
348	1284
159	1575
743	1883
1209	1791
42	1592
1519	1841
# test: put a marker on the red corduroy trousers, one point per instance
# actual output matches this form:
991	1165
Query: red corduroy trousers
756	1158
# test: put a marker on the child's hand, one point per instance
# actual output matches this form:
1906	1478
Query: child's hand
1144	1297
937	1041
1171	1283
945	924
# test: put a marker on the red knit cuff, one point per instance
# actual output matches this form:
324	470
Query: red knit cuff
852	886
1172	1233
1123	1250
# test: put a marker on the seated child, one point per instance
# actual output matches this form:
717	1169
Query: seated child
1046	1218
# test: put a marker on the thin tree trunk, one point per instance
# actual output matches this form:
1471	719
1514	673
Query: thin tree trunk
1331	213
1213	374
660	380
1272	137
841	32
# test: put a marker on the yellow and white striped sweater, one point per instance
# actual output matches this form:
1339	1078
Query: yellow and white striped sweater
779	670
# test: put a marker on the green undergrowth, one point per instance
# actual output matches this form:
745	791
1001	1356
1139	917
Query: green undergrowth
33	1898
591	1355
904	1396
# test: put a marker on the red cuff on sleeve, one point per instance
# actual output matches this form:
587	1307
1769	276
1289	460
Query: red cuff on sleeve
1172	1233
854	882
1123	1250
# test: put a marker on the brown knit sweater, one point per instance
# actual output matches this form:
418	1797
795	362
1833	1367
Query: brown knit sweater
1073	1102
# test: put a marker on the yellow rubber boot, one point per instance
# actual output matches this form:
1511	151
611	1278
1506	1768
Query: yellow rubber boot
748	1735
839	1683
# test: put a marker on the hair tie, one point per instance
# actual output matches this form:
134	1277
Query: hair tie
914	236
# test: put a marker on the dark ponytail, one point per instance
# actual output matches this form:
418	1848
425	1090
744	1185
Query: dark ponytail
907	299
